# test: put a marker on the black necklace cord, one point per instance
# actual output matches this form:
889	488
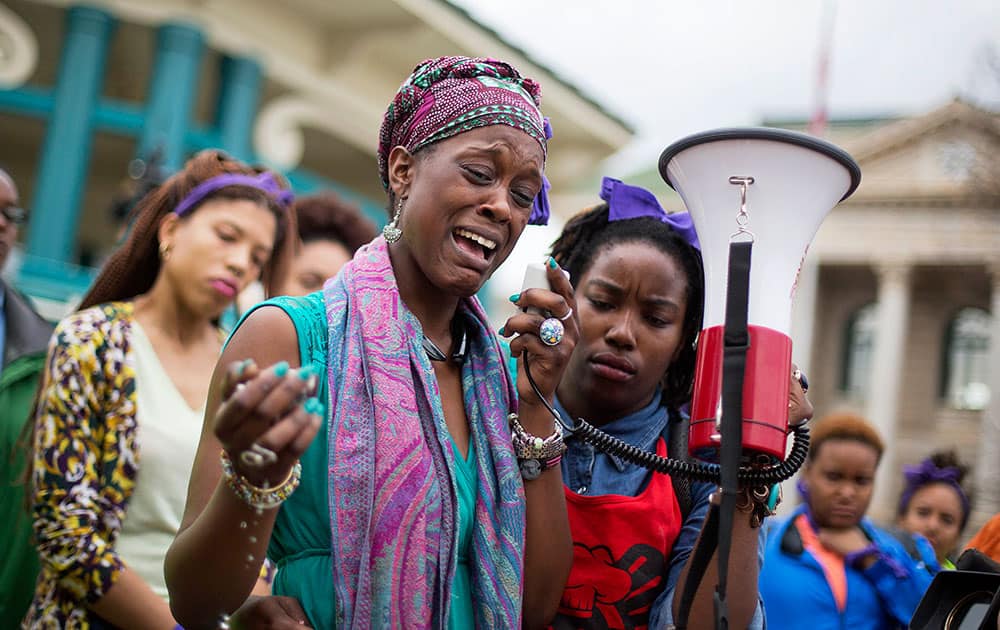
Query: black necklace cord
695	471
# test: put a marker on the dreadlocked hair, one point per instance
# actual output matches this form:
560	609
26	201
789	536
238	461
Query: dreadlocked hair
328	217
133	267
590	232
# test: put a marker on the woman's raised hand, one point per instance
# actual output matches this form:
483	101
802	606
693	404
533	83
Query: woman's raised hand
267	418
547	329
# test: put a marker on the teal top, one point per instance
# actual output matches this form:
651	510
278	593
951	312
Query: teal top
300	543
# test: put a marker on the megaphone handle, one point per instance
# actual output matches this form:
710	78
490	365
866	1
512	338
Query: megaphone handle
733	369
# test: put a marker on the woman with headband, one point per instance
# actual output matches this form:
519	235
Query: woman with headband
934	503
119	413
637	274
367	437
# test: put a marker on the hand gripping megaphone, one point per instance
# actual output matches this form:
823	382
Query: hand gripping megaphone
770	188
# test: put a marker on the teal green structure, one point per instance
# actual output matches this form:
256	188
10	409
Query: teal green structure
74	111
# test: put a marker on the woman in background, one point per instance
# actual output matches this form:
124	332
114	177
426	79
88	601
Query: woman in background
330	230
935	504
119	413
826	566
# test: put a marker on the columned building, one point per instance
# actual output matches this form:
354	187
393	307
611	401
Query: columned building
90	90
898	311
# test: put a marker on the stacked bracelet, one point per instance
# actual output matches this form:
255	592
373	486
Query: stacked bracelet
535	454
255	496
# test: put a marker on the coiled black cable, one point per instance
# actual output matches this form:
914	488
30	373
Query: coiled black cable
696	471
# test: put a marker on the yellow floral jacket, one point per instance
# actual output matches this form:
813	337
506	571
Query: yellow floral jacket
85	463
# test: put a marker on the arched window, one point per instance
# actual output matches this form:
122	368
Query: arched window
859	349
966	360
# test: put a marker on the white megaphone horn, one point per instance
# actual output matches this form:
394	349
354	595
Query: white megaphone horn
772	187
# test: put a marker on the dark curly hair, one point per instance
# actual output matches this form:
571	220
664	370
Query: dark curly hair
327	216
590	232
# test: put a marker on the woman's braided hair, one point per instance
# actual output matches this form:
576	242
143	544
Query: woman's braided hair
590	232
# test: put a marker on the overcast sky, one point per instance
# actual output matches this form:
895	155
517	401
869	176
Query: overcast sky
672	68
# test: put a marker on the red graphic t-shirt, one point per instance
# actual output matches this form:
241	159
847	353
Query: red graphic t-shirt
621	550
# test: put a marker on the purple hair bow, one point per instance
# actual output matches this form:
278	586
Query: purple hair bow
265	182
540	207
927	472
632	202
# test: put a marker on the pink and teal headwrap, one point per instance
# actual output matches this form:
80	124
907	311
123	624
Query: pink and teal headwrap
446	96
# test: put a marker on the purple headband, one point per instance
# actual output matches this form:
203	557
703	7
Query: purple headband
632	202
540	207
265	182
927	472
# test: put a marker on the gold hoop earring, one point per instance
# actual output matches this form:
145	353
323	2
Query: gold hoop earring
391	231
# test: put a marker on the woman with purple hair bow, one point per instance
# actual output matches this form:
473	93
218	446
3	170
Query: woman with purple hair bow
637	277
935	504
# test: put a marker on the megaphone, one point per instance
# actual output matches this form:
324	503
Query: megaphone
773	188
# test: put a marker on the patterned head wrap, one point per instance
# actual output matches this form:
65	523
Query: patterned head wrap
446	96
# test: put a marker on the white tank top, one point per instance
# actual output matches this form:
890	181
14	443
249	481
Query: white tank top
168	434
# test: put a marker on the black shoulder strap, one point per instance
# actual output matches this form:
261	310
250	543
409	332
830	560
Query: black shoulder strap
677	448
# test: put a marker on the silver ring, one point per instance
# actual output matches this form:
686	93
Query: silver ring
798	375
567	315
551	332
251	460
258	456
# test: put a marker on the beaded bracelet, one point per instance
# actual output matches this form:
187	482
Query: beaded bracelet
255	496
527	446
534	454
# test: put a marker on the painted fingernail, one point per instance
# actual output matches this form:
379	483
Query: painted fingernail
501	332
552	263
305	373
281	369
313	406
242	366
514	298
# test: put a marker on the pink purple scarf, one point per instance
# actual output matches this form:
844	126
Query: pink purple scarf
393	502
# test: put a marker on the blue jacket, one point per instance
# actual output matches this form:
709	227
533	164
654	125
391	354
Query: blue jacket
882	597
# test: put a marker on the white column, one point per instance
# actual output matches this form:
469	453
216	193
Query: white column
892	320
803	325
987	497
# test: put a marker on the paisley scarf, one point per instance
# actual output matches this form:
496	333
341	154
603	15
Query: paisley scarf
393	498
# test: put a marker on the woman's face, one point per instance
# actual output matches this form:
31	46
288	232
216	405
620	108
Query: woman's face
315	262
216	251
840	479
631	302
936	512
467	200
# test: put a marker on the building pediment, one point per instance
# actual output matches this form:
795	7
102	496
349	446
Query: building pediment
946	156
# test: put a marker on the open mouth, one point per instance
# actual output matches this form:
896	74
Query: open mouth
474	243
